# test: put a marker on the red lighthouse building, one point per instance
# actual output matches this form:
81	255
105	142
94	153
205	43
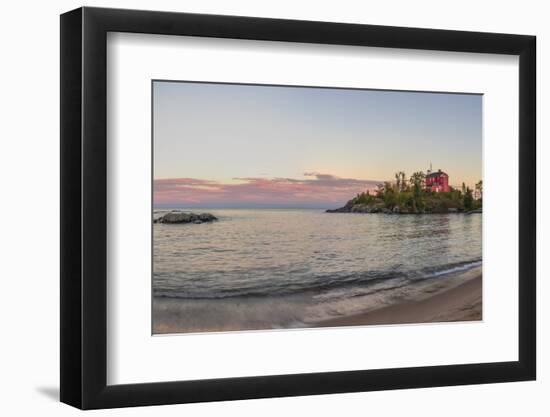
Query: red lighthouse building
437	181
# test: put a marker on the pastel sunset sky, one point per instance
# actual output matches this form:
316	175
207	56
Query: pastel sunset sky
235	145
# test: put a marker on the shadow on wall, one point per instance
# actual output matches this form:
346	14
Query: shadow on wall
50	392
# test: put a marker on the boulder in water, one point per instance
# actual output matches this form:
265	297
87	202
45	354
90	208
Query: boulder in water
175	217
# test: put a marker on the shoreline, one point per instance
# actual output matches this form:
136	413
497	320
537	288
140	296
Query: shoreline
462	302
454	298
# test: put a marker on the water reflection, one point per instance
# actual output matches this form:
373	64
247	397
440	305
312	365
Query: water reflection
281	252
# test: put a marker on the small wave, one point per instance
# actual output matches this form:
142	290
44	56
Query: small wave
371	281
451	269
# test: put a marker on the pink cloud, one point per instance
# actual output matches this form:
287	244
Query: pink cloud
315	189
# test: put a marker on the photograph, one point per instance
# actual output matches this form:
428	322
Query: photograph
288	207
308	203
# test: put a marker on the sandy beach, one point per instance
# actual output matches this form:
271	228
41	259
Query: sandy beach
455	297
461	302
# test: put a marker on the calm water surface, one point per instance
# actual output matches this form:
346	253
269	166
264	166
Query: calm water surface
283	268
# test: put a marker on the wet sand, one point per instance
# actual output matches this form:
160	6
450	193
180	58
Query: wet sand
456	297
459	303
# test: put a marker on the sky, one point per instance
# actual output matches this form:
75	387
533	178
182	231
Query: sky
236	145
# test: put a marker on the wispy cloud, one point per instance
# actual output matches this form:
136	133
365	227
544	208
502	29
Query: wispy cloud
314	189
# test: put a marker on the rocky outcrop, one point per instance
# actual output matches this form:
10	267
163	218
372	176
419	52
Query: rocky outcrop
346	209
360	208
364	208
176	217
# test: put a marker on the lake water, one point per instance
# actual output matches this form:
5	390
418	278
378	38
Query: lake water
279	268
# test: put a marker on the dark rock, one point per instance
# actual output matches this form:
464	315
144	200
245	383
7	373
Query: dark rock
175	217
207	217
378	207
360	208
339	210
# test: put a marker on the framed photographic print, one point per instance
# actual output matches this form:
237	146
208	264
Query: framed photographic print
257	207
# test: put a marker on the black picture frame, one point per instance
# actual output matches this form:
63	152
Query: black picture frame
84	207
